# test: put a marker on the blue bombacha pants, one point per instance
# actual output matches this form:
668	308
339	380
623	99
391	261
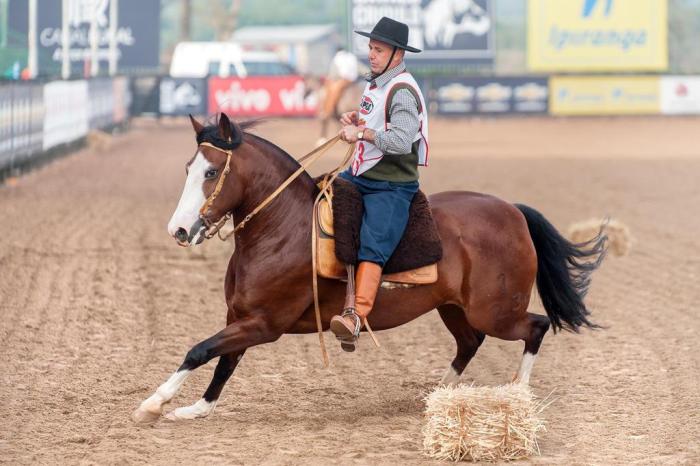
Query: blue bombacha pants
386	205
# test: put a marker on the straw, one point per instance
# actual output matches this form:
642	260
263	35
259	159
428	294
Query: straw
482	423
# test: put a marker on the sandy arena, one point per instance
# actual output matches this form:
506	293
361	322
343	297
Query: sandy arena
99	306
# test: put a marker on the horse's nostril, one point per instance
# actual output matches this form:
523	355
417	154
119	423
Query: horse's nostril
181	235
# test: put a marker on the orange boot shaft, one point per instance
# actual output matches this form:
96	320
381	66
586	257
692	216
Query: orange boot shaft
367	281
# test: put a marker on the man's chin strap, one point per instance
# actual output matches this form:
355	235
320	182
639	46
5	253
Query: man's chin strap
391	58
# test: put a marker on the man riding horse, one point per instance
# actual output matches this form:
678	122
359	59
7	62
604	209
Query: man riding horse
391	131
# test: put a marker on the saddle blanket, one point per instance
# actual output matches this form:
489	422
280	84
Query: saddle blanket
420	245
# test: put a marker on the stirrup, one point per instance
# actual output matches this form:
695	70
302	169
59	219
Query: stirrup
348	344
350	311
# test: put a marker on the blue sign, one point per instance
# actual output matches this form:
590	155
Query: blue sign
138	33
481	95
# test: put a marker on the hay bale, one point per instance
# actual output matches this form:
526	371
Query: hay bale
482	423
99	141
619	238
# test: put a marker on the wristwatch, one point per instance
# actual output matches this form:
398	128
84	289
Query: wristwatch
360	135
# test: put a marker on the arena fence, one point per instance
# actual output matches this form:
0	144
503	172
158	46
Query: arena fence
41	119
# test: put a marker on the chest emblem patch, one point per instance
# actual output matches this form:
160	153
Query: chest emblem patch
366	105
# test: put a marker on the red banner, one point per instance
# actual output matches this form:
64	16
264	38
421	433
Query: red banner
261	96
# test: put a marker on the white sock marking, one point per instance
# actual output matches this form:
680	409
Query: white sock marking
451	377
164	393
525	368
201	408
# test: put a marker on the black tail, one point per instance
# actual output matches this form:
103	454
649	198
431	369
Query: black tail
563	271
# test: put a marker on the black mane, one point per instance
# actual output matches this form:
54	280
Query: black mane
210	134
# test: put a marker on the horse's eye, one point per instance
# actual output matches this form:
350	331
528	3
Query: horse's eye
211	173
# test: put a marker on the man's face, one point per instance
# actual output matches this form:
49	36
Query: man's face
379	54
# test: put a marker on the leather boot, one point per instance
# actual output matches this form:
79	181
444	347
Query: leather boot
346	327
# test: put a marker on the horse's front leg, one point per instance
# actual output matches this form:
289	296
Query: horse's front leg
205	405
234	339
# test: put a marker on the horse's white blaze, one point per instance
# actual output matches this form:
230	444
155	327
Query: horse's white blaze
154	403
451	377
192	199
201	408
525	368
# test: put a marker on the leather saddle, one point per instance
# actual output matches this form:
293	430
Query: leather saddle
329	266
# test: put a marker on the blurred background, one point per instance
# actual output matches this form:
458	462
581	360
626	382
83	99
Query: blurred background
112	60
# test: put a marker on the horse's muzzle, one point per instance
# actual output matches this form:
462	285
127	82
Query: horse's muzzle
182	237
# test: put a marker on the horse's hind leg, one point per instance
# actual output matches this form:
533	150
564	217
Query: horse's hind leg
532	329
205	405
468	341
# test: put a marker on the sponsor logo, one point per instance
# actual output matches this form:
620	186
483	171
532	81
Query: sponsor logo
605	95
366	106
590	5
186	95
494	92
456	92
531	92
681	90
597	35
284	95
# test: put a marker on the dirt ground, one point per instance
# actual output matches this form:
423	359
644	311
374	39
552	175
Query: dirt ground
99	306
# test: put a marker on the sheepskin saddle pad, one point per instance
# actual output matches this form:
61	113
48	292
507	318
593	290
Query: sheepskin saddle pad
415	258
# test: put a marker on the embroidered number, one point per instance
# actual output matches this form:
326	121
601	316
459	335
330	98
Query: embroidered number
359	152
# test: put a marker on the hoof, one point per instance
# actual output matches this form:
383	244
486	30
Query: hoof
200	409
180	414
142	416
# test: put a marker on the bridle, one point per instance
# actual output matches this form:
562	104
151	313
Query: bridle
214	228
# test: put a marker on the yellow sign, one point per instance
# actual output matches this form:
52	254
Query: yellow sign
597	35
604	95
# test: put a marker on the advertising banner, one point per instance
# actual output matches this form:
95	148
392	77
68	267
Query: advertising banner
680	95
463	96
183	96
66	112
597	35
604	95
444	29
138	32
261	96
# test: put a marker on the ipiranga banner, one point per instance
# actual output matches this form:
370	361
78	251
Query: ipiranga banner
597	35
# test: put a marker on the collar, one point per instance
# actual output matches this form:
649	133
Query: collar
383	79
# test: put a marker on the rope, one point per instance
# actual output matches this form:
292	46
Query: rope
325	190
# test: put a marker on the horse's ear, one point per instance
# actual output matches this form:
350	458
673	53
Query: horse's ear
197	126
225	130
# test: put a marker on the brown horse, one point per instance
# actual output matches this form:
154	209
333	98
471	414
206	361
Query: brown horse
493	253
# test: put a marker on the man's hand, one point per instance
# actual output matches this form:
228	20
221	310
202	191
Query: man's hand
349	118
349	133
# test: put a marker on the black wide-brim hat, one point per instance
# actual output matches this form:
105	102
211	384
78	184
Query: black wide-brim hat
391	32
